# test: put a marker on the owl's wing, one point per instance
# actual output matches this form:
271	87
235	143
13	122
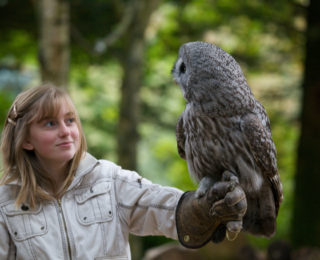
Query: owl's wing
180	137
264	151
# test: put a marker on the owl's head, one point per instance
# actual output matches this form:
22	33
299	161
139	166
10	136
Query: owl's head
207	73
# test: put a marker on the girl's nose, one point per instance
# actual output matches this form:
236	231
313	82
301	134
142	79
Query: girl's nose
64	129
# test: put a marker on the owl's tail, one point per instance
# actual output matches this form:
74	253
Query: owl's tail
260	218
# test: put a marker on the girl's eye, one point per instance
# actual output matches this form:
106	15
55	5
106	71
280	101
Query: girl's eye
50	123
71	120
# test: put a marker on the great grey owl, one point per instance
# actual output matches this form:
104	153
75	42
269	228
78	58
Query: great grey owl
225	130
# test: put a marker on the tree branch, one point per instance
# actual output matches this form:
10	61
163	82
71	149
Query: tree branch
127	17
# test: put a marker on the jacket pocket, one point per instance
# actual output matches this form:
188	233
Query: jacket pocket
94	204
24	223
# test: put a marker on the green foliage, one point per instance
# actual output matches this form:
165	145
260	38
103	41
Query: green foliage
159	159
94	90
5	102
17	48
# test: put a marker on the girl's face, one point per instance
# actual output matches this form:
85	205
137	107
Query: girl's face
54	140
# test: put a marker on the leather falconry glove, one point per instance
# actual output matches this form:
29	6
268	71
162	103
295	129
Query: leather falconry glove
220	209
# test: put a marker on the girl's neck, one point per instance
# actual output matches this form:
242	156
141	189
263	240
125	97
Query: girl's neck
58	174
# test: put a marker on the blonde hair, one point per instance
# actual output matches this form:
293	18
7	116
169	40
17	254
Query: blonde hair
21	165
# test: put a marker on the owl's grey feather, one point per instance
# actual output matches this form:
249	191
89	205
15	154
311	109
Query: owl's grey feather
224	128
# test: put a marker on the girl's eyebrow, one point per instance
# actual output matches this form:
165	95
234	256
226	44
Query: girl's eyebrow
69	114
45	118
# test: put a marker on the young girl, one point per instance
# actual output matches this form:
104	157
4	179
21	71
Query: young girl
59	202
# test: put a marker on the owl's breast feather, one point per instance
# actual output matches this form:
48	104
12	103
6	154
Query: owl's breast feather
216	144
206	146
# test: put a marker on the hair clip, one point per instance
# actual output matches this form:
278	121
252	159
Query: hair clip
14	110
11	121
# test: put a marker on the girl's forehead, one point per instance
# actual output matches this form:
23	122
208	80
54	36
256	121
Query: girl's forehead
55	108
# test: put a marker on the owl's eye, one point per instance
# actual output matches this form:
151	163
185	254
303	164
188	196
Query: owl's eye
182	68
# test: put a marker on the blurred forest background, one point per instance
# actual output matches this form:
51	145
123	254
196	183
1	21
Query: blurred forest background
115	58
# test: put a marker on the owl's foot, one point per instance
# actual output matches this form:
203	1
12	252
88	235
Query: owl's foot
232	207
231	178
228	185
204	185
233	201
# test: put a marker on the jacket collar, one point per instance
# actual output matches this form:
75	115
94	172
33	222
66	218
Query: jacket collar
86	165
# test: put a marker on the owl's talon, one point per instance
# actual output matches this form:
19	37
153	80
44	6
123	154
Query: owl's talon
233	229
231	236
234	226
230	176
232	185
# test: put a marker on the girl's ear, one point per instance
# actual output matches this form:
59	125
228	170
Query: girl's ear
27	145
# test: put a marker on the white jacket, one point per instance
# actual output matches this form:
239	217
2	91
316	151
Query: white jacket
101	207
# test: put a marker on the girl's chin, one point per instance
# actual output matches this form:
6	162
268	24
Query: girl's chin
65	156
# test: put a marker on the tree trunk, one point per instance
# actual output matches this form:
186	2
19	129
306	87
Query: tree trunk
54	51
306	217
132	63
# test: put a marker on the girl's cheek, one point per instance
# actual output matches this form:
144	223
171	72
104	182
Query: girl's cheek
76	134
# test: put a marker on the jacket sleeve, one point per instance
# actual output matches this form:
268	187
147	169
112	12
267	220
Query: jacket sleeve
7	248
146	208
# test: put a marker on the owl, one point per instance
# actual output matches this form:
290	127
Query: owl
224	130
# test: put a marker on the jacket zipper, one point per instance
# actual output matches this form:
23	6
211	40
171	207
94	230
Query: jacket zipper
65	227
